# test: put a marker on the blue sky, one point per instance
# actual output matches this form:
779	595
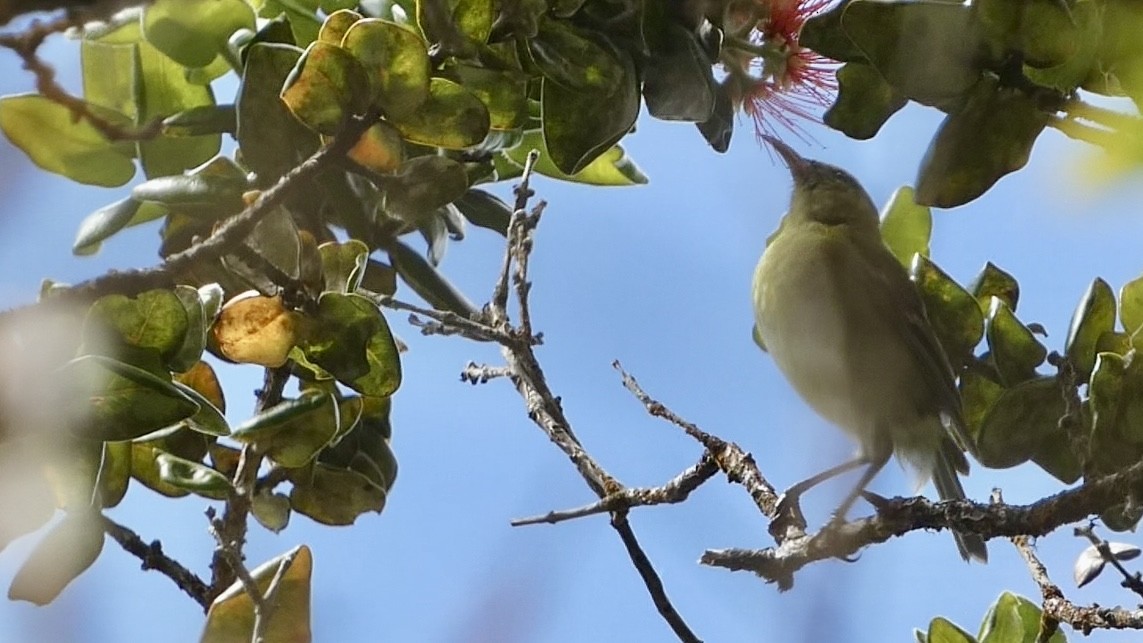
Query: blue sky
657	277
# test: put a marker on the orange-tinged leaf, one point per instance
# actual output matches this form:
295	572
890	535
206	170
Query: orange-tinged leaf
255	329
231	615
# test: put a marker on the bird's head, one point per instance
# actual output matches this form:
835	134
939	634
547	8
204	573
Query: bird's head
824	193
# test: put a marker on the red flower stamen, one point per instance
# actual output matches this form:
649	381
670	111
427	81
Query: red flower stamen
794	84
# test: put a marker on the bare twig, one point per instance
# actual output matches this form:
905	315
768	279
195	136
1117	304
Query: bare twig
1049	624
231	528
1058	609
738	465
498	304
673	491
26	45
152	557
446	322
474	373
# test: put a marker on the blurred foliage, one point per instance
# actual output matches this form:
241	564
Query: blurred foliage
1000	70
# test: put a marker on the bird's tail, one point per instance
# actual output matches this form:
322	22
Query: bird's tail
970	546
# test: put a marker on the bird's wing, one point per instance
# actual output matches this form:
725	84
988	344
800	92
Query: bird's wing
923	343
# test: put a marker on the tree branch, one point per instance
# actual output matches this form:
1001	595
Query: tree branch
152	557
231	232
898	516
673	491
1058	609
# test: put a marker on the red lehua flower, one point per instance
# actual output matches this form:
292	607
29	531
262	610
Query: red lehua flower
795	83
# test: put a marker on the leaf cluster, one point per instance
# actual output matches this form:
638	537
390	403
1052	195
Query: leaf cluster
1000	71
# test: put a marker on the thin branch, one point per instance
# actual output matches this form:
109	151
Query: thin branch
1049	624
651	579
231	528
898	516
738	465
498	304
447	322
673	491
26	45
474	373
152	557
1058	609
231	232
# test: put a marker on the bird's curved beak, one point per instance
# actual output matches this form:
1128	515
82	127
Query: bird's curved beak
798	166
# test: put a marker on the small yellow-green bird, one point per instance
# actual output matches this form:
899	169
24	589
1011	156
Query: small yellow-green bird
845	325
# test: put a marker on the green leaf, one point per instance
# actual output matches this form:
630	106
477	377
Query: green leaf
718	129
271	510
108	74
1131	309
485	210
423	184
162	89
230	618
1082	26
194	339
210	192
292	432
1013	348
678	83
451	117
994	282
380	149
864	101
397	63
120	401
1094	316
343	264
1045	32
379	278
114	473
193	476
192	32
612	168
103	223
353	343
52	138
941	37
270	420
905	226
823	33
209	419
271	139
504	93
336	24
64	553
325	87
942	630
429	284
576	132
572	59
202	120
953	313
300	16
979	393
154	320
1013	619
976	146
334	496
1018	422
